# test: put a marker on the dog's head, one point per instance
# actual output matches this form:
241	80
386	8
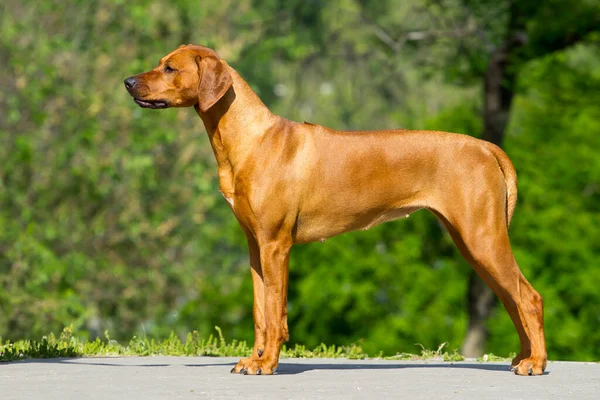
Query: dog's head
185	77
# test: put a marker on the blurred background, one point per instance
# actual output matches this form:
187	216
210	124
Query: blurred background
110	215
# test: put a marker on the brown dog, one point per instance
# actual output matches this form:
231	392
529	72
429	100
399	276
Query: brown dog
288	182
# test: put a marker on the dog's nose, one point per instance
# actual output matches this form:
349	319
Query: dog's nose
130	82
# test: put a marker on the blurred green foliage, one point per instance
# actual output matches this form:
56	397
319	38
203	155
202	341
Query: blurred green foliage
110	216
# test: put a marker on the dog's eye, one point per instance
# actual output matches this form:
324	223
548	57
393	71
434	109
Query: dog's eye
169	69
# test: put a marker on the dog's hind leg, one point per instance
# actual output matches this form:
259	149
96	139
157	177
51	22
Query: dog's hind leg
477	223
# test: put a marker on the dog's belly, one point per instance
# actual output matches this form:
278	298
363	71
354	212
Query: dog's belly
321	226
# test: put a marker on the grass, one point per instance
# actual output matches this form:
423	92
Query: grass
427	354
491	357
67	345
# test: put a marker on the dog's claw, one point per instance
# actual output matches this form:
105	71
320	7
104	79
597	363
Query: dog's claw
244	371
258	371
530	372
232	370
260	352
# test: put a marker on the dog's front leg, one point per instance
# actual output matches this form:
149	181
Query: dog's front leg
274	261
258	310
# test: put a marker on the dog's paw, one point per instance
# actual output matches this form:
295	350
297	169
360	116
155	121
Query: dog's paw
254	366
528	366
517	360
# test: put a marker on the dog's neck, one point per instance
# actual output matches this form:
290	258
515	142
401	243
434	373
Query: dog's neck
234	125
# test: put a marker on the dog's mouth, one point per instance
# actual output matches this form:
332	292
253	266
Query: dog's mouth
154	104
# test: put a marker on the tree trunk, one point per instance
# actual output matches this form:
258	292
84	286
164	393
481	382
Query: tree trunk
481	301
498	95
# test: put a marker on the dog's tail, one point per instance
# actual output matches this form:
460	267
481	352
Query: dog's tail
510	179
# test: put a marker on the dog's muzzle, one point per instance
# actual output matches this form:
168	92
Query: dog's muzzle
131	84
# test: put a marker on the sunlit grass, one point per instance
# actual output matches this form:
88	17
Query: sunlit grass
427	354
67	345
491	357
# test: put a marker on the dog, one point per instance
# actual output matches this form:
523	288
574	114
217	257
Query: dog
289	182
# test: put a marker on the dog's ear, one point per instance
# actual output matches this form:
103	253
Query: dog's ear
213	81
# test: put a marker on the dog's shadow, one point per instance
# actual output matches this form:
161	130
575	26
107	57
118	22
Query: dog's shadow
291	368
286	368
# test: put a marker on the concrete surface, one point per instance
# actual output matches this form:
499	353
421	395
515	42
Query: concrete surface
209	378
